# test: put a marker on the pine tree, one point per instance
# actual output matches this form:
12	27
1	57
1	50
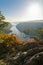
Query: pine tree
2	18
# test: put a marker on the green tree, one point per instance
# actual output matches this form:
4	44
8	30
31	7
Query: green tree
3	24
1	17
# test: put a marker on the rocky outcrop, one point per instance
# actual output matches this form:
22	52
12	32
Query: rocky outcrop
13	51
27	55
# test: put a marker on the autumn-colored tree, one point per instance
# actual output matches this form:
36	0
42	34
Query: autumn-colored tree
10	39
39	32
26	31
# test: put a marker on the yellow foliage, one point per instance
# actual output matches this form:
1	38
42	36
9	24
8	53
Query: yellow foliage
10	39
40	30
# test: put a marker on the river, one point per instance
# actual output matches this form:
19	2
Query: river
14	30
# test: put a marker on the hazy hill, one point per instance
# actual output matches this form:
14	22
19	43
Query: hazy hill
33	25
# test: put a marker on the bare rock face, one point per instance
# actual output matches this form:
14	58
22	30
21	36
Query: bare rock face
37	59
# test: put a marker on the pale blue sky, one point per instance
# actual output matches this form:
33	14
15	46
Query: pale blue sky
22	10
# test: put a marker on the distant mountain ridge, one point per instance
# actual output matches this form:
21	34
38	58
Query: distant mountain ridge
32	25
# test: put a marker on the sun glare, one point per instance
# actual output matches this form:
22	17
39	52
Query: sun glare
34	11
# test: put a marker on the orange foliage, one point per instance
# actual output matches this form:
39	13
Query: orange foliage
10	39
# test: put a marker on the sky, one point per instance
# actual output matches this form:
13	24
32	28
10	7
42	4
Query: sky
22	10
